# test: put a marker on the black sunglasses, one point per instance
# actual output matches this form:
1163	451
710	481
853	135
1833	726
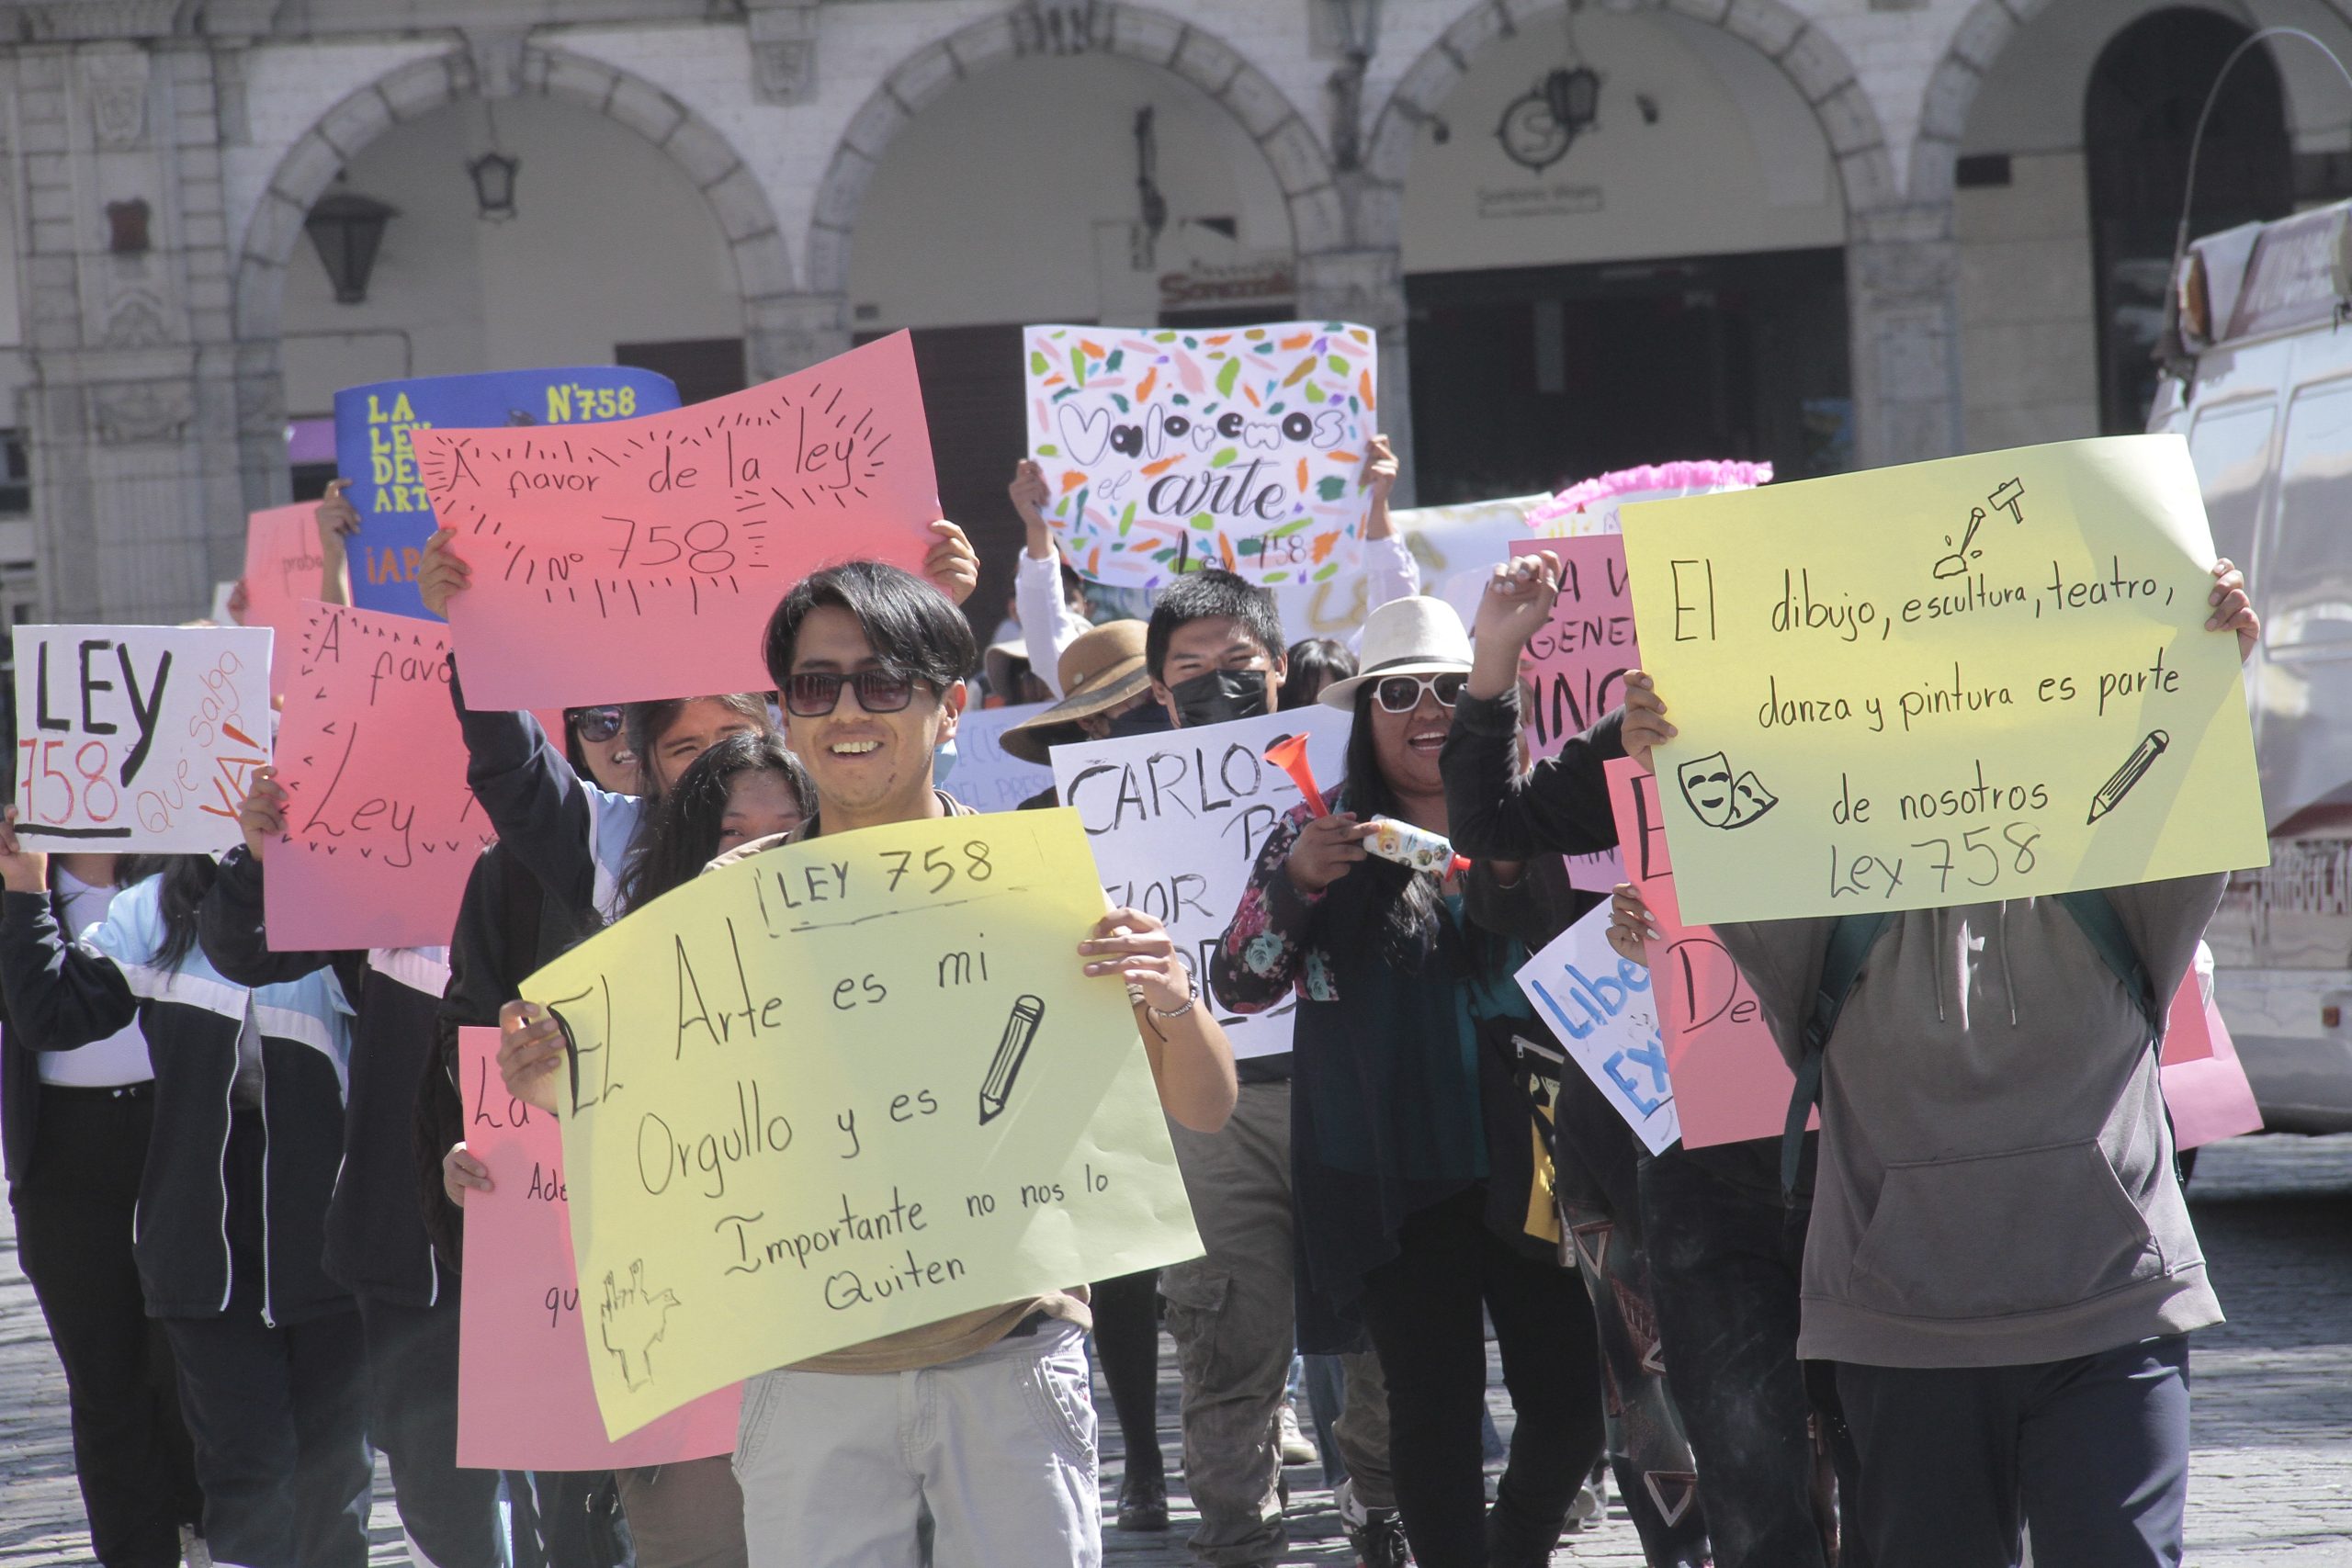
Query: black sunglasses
1402	694
598	725
813	693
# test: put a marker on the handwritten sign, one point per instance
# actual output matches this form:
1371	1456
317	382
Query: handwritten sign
139	738
524	1398
1730	1082
642	559
1177	819
1167	451
1605	1010
371	448
987	776
1577	663
283	568
1981	678
844	1089
380	827
2206	1091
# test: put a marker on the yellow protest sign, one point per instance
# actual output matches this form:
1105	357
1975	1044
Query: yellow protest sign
1981	678
847	1087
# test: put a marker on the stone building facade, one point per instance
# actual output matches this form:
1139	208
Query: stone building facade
164	154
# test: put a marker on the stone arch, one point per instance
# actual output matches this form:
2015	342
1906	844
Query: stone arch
754	239
1812	61
1293	152
1977	45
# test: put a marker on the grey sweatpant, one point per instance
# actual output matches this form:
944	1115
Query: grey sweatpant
1232	1315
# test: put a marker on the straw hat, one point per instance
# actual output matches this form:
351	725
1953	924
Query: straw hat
1416	635
1101	669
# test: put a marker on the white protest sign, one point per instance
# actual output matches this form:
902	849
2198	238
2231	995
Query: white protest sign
139	738
1176	820
1604	1011
987	776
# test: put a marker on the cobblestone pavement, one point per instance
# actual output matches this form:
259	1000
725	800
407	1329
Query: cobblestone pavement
2272	1481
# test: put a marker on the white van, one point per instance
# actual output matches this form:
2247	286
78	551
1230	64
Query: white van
2265	326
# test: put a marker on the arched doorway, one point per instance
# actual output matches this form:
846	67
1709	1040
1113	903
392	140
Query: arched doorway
2139	114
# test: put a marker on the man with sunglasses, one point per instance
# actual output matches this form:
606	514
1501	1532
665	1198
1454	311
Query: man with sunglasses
1215	651
984	1421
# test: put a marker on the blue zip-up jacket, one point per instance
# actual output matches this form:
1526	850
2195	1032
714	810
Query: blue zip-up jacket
61	995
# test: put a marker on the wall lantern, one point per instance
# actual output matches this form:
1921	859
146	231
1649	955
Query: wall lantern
493	177
1573	95
348	229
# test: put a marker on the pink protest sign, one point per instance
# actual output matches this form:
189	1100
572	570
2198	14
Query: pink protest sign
380	828
642	558
1730	1082
524	1401
282	569
1577	662
2208	1095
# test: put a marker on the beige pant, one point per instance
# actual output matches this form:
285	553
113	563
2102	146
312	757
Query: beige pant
1232	1314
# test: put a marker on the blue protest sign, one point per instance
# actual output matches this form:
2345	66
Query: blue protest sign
371	449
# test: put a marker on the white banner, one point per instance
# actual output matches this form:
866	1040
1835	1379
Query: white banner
1604	1011
137	738
987	777
1176	820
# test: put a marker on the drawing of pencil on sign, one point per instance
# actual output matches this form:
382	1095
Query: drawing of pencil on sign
2136	768
1012	1050
2008	497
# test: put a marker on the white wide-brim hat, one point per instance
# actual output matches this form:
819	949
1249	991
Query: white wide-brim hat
1416	635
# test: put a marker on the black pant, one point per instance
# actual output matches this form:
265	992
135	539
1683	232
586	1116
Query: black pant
73	1216
451	1514
1724	1260
1126	1344
2093	1454
278	1413
1423	1309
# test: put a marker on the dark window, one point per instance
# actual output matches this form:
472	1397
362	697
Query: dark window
704	368
16	475
2138	116
1527	379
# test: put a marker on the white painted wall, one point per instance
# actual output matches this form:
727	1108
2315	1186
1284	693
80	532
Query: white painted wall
985	207
1735	161
2029	338
613	244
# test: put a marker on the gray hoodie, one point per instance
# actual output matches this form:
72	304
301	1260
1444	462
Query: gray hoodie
1995	1185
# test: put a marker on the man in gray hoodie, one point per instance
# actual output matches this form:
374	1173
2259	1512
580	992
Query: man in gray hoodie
2001	1263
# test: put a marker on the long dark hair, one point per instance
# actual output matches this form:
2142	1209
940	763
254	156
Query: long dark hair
187	879
1398	903
646	723
685	827
1315	663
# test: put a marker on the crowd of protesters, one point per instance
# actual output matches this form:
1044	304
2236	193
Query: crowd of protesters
240	1175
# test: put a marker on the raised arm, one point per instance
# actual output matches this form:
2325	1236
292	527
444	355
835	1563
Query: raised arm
1262	957
229	924
59	996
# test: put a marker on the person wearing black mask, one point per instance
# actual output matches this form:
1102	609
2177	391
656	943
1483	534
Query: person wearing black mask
1215	652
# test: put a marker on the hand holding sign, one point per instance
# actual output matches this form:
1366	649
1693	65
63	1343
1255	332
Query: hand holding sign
1167	451
2012	658
641	558
139	738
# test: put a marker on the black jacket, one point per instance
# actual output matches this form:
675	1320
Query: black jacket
61	996
375	1244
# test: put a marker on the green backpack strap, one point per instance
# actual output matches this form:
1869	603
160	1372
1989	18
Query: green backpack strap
2103	929
1851	941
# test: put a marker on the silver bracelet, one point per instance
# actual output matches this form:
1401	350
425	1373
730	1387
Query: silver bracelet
1192	997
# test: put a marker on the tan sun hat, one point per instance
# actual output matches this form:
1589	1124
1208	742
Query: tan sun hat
1415	636
1101	669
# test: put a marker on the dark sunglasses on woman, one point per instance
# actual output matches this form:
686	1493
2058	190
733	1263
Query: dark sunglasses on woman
598	725
1402	694
814	694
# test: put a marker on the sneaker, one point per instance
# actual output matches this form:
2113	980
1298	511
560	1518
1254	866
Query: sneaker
1376	1534
1143	1502
194	1551
1295	1449
1592	1502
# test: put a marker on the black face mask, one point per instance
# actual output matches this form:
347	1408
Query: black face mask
1219	696
1144	718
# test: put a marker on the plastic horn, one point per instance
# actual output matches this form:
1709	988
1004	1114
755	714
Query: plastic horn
1289	754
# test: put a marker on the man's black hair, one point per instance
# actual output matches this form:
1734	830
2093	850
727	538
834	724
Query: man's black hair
1208	595
914	629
